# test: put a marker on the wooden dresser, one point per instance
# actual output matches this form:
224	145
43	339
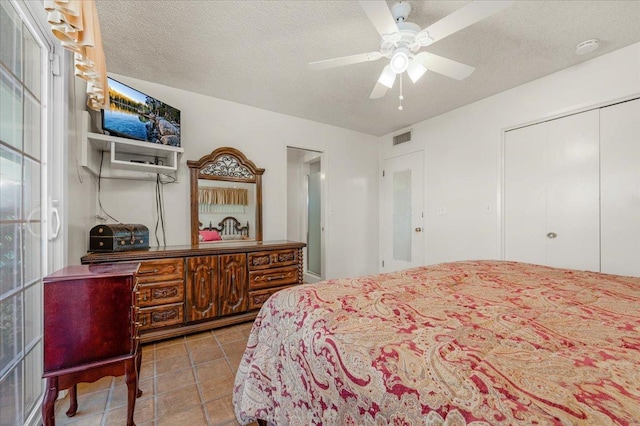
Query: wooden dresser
90	331
186	289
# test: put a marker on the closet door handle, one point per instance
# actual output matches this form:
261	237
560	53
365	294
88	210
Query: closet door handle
552	235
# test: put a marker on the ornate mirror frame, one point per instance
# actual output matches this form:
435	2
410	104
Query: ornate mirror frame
227	164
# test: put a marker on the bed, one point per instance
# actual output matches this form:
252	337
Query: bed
462	343
228	229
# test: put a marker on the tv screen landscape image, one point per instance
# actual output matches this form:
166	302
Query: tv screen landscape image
135	115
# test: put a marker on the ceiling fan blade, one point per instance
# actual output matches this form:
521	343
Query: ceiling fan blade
379	90
345	60
445	66
380	15
384	83
461	18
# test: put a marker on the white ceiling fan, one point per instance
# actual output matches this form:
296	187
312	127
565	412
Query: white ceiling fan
402	40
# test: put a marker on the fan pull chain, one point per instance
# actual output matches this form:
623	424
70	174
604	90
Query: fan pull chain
400	97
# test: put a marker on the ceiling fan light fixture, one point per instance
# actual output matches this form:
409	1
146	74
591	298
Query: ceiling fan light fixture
415	70
400	60
388	77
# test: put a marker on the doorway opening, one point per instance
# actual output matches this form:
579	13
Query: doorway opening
305	207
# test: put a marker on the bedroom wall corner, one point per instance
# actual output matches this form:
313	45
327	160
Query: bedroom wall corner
81	186
263	136
463	149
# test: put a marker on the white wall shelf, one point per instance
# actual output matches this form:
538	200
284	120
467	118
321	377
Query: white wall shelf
144	158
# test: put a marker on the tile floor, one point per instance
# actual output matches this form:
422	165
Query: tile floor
186	381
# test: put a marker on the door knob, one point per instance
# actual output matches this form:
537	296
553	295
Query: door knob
552	235
418	229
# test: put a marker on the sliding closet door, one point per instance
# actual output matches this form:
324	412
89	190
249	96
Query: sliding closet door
620	166
552	193
525	195
573	192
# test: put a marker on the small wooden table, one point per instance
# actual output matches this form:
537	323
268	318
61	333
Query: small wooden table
90	331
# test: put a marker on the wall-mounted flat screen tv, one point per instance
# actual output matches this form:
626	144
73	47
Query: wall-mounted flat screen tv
135	115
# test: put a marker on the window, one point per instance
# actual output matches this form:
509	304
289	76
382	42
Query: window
23	95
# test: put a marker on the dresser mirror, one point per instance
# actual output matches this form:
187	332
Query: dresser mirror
226	198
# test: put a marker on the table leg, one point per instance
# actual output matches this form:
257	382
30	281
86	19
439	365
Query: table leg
48	412
131	378
73	401
138	364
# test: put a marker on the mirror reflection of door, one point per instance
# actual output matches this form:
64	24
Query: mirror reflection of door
305	217
314	226
403	192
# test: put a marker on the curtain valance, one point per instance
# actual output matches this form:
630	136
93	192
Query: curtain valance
75	23
217	195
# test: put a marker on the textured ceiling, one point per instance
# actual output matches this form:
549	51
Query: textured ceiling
257	52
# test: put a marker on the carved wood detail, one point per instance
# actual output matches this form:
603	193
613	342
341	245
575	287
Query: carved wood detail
233	288
190	289
260	260
284	257
300	268
229	166
164	293
226	164
163	316
202	285
259	299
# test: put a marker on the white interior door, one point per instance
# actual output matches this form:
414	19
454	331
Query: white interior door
552	193
573	191
620	188
403	242
525	199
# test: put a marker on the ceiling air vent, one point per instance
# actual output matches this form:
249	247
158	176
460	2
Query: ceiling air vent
402	138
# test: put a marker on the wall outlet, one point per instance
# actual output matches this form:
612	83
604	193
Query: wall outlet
442	210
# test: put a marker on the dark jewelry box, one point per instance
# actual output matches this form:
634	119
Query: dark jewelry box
118	237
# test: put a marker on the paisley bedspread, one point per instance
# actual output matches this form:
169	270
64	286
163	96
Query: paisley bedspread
462	343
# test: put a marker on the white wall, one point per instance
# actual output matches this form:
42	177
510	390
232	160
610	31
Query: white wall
463	149
81	186
209	123
295	196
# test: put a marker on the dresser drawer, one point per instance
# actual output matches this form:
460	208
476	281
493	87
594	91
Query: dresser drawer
272	259
161	293
268	278
161	316
257	298
161	270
